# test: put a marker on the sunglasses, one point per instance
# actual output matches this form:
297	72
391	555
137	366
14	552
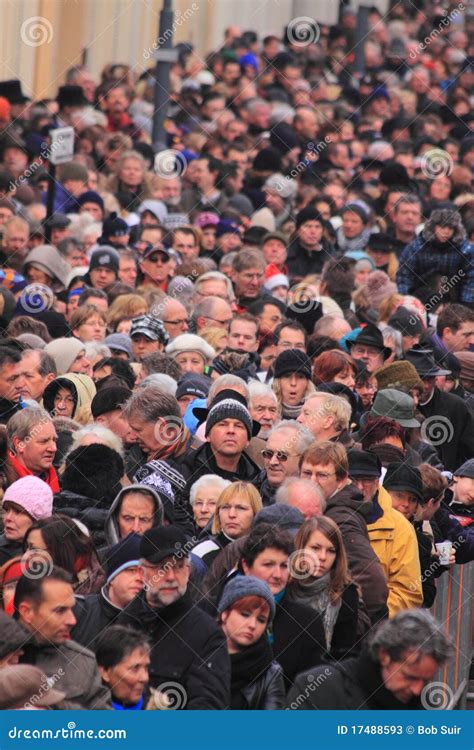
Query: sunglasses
280	455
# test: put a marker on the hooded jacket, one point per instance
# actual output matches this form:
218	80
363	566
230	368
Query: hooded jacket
112	533
394	541
82	389
64	351
349	511
47	259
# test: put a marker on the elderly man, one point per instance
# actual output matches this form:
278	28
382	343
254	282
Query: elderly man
286	443
303	495
212	312
326	464
326	416
401	658
188	648
175	317
213	284
37	370
32	439
264	407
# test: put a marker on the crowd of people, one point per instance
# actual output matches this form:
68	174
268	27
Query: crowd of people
237	375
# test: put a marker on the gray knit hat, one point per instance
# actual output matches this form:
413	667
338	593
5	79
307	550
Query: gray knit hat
242	586
227	404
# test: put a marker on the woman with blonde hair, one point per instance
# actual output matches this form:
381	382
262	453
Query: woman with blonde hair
123	309
130	175
319	578
236	508
292	381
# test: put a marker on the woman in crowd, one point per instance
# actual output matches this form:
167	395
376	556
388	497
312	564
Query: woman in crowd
292	381
203	496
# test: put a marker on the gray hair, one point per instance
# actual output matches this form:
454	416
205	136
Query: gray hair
22	424
207	480
304	437
396	337
333	406
215	276
258	389
106	437
227	381
283	491
150	404
160	380
411	630
96	349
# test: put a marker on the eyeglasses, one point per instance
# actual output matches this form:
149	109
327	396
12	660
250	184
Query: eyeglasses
320	475
63	400
281	456
177	322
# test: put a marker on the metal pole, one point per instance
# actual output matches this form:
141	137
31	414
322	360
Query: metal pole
162	75
361	35
50	200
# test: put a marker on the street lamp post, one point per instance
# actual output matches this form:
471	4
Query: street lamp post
165	56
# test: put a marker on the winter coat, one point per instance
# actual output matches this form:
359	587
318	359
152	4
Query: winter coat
449	418
9	549
302	262
267	692
209	549
93	613
74	671
91	512
188	648
456	523
349	511
351	685
393	540
267	492
111	528
82	389
256	679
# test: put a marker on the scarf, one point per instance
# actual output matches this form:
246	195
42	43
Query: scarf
246	667
356	243
49	476
178	448
290	412
315	592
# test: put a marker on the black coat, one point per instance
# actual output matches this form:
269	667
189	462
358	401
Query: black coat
301	262
267	493
91	512
266	693
298	638
451	419
93	613
9	549
188	648
351	685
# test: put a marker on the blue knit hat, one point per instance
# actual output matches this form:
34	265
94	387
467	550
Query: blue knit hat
125	554
243	586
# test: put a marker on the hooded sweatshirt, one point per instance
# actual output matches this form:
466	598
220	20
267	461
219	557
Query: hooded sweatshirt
47	259
82	389
64	351
112	533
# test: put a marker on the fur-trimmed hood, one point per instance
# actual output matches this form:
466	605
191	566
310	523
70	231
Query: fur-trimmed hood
447	218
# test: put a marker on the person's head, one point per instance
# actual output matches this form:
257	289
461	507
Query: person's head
213	284
11	382
103	267
164	556
409	649
175	317
326	464
322	553
265	555
88	323
369	347
333	326
290	335
334	366
274	249
186	242
32	439
58	540
286	442
236	508
14	635
407	214
263	406
203	497
292	377
123	658
148	335
309	228
268	313
128	268
38	369
15	240
463	483
404	485
302	494
325	415
455	326
156	265
139	508
228	425
214	312
246	608
434	487
248	273
154	417
45	604
191	352
382	431
243	333
354	220
106	408
364	472
25	502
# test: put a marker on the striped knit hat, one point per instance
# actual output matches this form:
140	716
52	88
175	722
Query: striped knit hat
229	404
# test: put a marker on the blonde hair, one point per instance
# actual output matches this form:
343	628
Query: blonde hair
125	307
244	490
214	335
310	389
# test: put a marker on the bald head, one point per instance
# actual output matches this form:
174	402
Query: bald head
302	494
175	317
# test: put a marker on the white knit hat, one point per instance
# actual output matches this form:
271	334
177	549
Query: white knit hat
31	494
189	342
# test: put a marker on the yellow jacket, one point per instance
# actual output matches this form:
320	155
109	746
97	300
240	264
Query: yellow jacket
394	541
